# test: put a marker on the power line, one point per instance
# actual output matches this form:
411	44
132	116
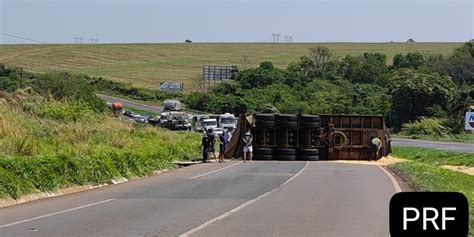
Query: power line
23	38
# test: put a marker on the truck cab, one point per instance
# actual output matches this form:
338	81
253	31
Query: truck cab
228	121
209	123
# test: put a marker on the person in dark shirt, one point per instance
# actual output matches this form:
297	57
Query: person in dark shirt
223	140
212	137
205	145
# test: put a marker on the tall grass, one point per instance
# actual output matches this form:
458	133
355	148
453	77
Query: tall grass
47	144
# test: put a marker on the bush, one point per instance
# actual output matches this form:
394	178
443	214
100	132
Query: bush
425	126
63	85
65	110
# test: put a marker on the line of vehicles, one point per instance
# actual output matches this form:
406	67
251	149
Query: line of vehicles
174	118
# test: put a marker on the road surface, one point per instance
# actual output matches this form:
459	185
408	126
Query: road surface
262	198
448	146
130	103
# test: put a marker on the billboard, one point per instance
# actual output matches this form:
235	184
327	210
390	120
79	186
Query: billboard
469	121
171	86
219	73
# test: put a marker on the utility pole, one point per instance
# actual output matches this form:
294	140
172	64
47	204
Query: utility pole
277	38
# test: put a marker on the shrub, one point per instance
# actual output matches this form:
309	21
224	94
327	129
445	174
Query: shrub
65	110
425	126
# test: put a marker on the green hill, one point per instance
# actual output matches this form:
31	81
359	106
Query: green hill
146	65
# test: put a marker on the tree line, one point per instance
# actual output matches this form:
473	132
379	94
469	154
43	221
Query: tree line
413	86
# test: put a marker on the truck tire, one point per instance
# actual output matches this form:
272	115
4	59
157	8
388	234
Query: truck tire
264	117
265	124
308	158
308	152
286	157
287	117
310	124
263	157
263	151
286	152
310	118
290	124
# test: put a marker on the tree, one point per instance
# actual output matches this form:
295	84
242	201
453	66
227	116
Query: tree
317	63
416	94
411	60
364	69
188	41
259	77
410	40
460	66
198	101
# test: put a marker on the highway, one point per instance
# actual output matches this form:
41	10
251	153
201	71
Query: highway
131	103
448	146
261	198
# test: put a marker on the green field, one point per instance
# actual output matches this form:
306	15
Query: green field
146	65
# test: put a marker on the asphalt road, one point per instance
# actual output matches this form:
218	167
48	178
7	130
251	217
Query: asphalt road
130	103
232	199
449	146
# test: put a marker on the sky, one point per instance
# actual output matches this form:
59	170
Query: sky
159	21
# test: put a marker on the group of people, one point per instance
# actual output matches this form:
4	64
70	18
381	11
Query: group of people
209	140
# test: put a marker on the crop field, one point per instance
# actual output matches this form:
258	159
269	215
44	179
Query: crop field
146	65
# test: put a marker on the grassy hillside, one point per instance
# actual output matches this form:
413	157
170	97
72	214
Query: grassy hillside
46	144
146	65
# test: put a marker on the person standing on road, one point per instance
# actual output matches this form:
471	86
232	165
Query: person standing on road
247	139
212	137
229	136
205	145
223	141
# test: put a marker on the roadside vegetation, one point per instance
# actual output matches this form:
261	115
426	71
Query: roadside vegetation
64	136
423	172
417	93
434	156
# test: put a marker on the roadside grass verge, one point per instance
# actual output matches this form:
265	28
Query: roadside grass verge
425	177
422	172
46	145
433	156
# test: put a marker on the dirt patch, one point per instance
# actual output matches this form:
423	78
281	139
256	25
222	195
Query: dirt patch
463	169
384	161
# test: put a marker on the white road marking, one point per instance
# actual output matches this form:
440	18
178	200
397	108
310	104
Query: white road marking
242	206
215	171
394	181
56	213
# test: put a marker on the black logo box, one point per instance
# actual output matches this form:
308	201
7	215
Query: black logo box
456	222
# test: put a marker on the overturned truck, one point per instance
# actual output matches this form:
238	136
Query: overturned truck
311	137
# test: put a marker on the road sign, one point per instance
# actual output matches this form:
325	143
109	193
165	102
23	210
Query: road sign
219	73
171	86
469	121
